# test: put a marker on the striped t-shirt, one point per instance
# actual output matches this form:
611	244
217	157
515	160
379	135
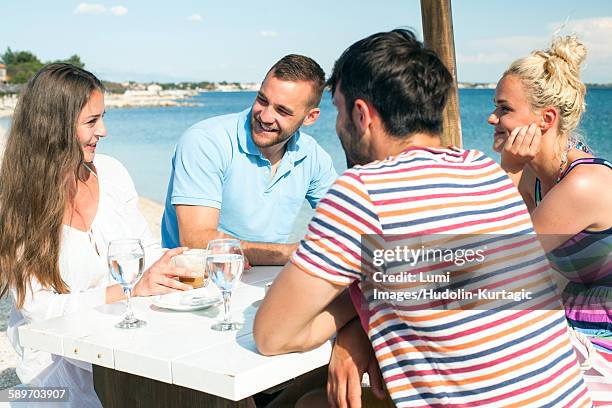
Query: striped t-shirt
433	352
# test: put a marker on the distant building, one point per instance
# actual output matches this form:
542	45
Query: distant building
136	86
154	88
3	75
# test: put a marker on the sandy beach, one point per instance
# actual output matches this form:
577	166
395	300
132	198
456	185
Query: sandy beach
8	358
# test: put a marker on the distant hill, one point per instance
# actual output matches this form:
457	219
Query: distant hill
491	85
599	86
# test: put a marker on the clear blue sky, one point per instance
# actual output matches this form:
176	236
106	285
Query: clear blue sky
238	40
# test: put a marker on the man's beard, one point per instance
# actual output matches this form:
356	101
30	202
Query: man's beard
351	144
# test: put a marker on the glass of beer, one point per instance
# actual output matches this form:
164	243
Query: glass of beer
195	261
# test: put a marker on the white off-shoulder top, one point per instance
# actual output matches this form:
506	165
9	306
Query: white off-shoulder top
83	267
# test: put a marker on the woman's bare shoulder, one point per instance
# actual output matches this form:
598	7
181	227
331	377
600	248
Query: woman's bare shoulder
587	189
588	178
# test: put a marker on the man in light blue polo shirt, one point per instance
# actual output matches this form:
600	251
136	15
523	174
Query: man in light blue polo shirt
246	174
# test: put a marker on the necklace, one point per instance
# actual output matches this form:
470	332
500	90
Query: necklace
562	165
90	170
577	145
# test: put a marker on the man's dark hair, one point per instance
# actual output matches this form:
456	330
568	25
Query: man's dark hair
406	83
295	67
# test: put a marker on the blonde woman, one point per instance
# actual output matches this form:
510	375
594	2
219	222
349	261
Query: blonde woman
538	105
60	205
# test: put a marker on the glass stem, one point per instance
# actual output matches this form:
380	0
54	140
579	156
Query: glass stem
227	295
129	315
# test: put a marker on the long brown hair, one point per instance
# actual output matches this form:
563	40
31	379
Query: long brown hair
38	177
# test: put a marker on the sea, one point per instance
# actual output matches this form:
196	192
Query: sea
143	139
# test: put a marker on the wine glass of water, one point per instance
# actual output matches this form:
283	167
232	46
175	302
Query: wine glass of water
224	264
126	264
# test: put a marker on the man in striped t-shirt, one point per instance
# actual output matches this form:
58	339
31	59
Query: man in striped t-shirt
408	193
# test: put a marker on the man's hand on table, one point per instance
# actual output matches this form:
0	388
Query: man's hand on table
198	225
352	356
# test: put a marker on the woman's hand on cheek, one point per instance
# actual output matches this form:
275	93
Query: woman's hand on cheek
520	147
498	143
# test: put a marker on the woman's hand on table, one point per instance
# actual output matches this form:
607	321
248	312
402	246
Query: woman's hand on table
162	276
247	264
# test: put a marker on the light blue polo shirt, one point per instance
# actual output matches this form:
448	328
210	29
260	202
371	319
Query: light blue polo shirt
216	164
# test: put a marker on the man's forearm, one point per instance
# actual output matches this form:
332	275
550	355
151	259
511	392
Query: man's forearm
324	325
337	315
258	253
200	240
261	253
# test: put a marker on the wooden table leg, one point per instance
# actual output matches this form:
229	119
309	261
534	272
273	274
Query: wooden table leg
118	389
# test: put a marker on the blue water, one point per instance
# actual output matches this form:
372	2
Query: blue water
144	138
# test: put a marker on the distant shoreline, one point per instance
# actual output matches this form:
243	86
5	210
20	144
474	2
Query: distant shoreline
154	96
129	99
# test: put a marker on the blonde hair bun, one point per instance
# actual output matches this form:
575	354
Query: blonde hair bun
552	78
570	50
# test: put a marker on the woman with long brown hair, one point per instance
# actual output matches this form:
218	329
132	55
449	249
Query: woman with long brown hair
60	206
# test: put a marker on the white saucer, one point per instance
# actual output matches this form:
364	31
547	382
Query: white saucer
195	299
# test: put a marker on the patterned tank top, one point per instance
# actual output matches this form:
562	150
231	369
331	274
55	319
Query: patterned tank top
586	261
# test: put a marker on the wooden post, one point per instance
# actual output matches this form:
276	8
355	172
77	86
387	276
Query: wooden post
438	35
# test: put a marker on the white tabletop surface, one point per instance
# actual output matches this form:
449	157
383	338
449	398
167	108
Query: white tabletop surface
178	347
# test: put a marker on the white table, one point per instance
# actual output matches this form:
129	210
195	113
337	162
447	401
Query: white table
177	348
